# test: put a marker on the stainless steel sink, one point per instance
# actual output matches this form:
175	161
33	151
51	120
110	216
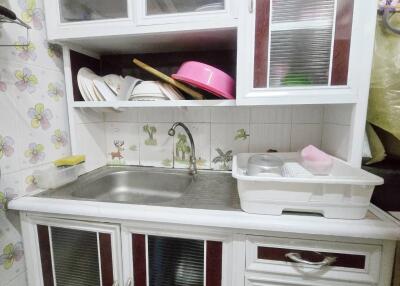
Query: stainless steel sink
152	186
136	187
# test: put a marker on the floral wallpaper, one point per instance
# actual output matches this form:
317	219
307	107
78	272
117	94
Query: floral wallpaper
33	121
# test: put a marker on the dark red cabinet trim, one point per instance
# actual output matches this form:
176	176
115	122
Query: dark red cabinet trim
343	260
213	263
341	50
106	259
261	43
139	259
45	255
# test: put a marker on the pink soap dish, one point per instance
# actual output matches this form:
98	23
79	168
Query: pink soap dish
206	77
316	161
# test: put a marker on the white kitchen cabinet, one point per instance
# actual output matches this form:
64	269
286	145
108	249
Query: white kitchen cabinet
176	255
81	19
295	52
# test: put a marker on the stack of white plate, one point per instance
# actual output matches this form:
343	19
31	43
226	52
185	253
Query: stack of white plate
97	88
113	87
154	91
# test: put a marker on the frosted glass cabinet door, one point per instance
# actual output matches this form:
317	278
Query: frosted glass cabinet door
90	10
159	7
78	257
166	261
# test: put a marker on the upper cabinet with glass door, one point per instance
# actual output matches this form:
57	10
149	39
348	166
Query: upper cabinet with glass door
73	19
303	52
178	11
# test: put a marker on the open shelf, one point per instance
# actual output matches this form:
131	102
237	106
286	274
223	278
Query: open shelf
163	103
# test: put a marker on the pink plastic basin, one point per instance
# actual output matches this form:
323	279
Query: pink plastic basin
207	78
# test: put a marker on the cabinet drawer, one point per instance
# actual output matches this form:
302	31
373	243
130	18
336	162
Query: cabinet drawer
312	259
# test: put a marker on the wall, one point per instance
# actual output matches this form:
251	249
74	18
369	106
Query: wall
33	122
218	132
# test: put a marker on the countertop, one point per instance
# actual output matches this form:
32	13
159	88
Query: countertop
212	203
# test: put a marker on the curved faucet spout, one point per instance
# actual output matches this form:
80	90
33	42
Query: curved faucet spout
192	159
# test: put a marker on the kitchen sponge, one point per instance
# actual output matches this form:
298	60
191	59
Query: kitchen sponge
70	161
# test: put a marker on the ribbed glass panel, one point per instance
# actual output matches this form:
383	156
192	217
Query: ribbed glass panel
175	261
302	10
75	256
300	57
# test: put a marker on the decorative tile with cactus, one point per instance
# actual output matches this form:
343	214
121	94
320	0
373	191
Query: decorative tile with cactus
151	131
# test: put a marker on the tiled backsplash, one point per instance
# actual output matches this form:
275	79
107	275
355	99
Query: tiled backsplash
140	136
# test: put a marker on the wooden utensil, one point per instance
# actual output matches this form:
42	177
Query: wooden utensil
168	79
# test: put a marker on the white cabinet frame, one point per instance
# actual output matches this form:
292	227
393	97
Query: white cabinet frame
178	231
361	51
32	250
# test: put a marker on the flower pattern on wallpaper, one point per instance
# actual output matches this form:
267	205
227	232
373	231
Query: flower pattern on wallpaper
35	153
31	183
59	139
40	116
54	51
31	14
3	85
25	52
26	80
223	159
55	91
11	253
6	146
3	201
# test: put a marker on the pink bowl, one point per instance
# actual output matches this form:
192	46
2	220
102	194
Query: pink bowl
206	77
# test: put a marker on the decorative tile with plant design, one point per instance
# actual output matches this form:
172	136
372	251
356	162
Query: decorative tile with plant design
227	140
223	160
151	131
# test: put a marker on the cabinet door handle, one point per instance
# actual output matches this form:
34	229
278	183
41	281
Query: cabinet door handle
296	257
129	282
115	283
251	6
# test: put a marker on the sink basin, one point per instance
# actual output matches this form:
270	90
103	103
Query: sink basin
136	187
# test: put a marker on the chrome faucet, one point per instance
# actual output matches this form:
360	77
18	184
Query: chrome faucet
192	158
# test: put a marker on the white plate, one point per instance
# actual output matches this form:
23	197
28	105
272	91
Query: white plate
103	89
127	86
114	82
82	86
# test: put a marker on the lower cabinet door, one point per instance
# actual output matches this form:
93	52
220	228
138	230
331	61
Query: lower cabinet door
78	253
163	260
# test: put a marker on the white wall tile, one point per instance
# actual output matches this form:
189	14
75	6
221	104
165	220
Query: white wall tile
92	143
88	115
264	137
159	115
338	114
226	138
271	114
335	140
126	134
201	138
127	115
230	114
307	113
304	135
156	151
192	114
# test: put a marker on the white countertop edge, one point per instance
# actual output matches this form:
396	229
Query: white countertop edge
368	228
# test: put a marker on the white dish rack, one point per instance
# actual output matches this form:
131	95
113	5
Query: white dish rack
344	194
